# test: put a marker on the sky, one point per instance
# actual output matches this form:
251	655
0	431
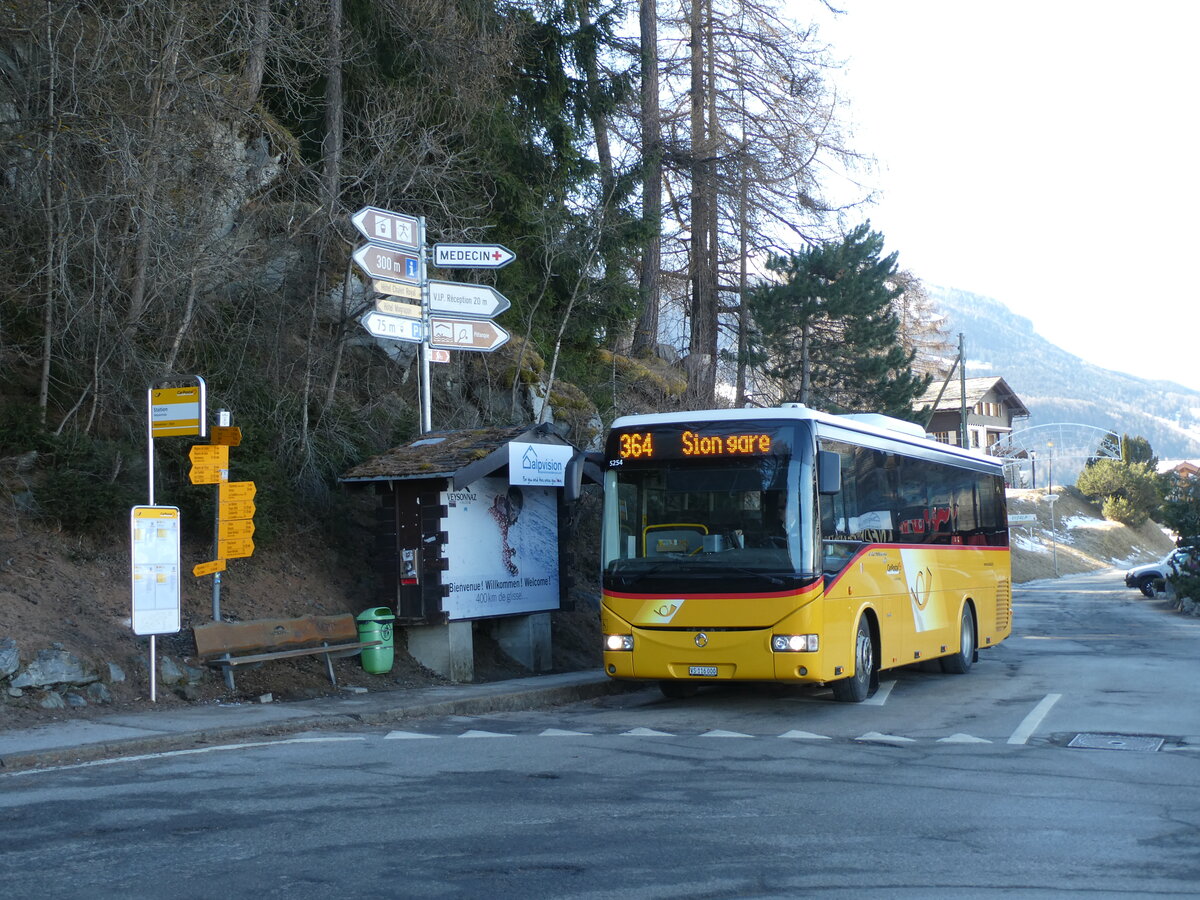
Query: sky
1039	152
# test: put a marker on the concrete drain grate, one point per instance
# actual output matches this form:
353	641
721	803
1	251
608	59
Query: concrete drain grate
1089	741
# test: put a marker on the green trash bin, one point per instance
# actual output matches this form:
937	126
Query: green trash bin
376	625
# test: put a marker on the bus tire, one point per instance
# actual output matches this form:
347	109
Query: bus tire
862	684
678	690
960	662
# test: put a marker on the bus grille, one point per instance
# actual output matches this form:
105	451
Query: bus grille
1003	606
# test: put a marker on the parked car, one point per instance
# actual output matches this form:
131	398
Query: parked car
1146	578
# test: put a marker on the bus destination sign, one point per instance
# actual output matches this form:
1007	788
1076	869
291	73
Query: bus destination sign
690	443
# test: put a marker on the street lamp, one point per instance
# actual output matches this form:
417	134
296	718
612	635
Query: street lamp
1033	467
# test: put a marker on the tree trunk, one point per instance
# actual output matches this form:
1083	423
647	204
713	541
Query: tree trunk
702	352
645	335
256	59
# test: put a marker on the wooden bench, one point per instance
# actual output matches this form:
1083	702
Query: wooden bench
229	644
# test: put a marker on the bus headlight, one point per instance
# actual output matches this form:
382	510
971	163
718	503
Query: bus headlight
794	643
618	642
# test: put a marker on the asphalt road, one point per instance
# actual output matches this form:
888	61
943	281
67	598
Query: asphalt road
948	786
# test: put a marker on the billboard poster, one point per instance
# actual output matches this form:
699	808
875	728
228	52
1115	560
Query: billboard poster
538	463
501	549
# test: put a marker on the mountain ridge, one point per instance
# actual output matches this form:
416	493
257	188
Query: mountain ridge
1059	387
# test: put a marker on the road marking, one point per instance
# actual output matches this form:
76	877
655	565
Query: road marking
961	738
874	737
725	734
1030	723
646	732
558	732
880	697
405	736
483	734
804	736
167	754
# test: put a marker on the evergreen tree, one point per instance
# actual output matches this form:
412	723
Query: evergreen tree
1128	491
828	331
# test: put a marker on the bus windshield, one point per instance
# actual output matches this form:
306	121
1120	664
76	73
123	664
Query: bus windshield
674	521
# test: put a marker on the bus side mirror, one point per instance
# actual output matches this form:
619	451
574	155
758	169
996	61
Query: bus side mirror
829	472
573	478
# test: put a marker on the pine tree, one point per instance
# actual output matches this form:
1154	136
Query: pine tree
828	331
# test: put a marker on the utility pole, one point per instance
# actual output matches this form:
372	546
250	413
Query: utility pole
962	387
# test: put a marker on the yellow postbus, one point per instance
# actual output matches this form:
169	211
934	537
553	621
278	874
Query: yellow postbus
795	546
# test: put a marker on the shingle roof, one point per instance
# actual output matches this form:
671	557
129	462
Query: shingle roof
474	453
977	389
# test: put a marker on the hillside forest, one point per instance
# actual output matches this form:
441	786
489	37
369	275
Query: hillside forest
179	177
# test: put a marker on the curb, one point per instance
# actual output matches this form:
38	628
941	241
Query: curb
507	696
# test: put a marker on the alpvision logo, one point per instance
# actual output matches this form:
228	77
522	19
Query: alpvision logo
532	463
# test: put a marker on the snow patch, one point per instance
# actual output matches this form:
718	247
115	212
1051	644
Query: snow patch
1088	522
1023	543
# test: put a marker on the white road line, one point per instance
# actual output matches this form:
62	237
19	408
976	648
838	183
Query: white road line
717	732
805	736
961	738
405	736
167	754
874	737
1030	723
881	695
646	732
483	734
559	732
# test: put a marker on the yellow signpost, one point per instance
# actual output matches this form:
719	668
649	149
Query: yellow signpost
235	548
210	463
236	490
208	568
229	435
235	509
234	529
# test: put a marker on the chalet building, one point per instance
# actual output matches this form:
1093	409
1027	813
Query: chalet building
991	408
1188	468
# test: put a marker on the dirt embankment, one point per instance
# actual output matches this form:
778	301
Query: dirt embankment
1070	534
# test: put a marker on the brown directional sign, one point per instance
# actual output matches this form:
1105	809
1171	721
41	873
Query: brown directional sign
388	263
237	490
465	334
386	227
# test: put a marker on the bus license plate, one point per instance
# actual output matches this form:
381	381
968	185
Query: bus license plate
706	671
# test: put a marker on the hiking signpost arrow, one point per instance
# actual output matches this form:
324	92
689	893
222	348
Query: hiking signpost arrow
458	299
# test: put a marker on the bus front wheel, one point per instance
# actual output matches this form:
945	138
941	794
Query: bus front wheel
960	662
862	684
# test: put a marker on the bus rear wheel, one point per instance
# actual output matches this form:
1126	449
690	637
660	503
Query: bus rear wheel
960	662
862	684
678	690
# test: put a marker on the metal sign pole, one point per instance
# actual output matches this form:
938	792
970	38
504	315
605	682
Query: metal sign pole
423	351
224	420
